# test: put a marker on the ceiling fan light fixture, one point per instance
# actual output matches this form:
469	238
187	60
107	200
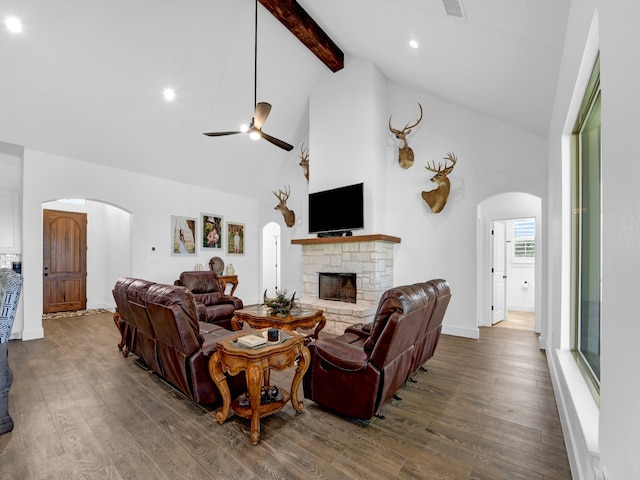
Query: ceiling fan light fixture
262	109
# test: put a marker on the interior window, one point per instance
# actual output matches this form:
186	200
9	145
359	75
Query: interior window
524	240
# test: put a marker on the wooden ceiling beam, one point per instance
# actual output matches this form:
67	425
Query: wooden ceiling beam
291	14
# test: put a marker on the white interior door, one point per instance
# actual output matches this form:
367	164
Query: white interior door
498	272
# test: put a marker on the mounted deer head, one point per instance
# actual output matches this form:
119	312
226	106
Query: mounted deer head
437	198
304	161
289	215
405	154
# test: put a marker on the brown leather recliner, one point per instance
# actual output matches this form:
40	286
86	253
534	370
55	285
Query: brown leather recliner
356	373
207	290
159	323
133	321
428	340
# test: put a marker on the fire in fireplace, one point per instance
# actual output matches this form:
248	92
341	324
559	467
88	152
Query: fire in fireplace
340	287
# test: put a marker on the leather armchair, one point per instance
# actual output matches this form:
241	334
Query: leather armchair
356	373
213	305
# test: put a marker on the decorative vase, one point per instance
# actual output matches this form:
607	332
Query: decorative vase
6	378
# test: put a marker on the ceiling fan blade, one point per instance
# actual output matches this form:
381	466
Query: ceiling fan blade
261	114
220	134
277	142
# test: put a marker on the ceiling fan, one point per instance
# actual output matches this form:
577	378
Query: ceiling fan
262	109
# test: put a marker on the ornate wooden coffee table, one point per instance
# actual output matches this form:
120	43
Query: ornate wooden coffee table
259	316
256	363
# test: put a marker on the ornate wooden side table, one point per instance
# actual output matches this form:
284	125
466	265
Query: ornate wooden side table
256	362
231	279
259	316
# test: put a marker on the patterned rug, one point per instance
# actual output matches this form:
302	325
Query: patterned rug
73	313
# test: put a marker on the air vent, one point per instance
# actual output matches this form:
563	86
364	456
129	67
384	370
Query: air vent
454	8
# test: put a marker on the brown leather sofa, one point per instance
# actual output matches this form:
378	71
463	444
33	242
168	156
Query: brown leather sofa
159	324
355	373
209	296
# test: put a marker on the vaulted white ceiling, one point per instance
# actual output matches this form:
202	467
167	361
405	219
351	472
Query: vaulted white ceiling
85	79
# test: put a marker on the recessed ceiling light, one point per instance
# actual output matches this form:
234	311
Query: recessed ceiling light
244	128
413	44
13	24
169	94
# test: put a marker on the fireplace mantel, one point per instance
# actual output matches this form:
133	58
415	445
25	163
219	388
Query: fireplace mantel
376	237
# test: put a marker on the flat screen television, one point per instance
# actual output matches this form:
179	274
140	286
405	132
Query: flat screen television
336	210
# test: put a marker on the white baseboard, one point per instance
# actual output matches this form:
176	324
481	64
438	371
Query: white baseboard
33	334
522	308
461	331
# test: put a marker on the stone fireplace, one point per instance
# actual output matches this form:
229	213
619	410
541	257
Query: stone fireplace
368	257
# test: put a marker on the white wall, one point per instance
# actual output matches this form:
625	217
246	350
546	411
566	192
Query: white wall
492	158
347	137
151	201
602	442
620	386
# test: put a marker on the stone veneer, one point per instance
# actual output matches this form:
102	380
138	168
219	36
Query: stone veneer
370	257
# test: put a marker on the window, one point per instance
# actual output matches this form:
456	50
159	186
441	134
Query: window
524	239
586	233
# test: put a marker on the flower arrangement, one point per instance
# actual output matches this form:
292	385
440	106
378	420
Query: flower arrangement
281	305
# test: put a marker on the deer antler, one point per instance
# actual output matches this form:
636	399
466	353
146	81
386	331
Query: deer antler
443	169
407	127
283	195
304	161
304	155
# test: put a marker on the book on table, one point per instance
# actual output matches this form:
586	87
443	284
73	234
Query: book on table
251	340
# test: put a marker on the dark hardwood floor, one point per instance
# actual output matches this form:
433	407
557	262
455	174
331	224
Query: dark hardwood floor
484	410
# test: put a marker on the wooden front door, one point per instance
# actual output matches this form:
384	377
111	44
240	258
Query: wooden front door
64	261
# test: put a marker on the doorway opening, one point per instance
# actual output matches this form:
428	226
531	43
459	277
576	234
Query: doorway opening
501	212
513	273
271	258
107	253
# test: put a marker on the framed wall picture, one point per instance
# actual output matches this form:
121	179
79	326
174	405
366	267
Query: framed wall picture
211	231
183	236
235	238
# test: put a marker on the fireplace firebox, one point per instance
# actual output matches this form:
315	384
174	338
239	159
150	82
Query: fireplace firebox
340	287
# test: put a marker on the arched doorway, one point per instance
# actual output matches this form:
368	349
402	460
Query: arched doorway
108	241
271	257
502	210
